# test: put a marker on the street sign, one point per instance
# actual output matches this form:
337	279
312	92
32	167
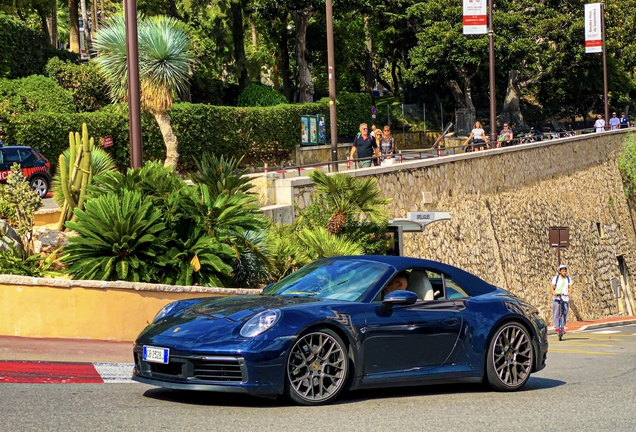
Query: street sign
108	141
427	216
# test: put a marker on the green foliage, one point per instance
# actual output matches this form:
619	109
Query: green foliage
627	166
21	203
34	93
318	243
24	51
36	265
85	84
260	95
120	237
221	175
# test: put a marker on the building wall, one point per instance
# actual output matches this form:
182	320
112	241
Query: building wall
502	203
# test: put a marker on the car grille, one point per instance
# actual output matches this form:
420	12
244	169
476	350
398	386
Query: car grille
209	369
218	369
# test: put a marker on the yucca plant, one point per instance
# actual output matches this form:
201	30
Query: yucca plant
284	251
120	237
165	64
221	175
195	258
346	195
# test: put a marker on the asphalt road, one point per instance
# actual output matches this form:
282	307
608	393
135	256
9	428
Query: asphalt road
589	385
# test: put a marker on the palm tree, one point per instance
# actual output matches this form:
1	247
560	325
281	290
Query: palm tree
165	63
349	196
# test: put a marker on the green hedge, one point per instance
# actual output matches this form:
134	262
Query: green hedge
35	93
84	83
24	51
265	134
260	95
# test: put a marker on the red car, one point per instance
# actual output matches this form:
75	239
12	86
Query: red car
35	167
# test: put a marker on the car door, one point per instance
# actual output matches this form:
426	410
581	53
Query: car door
422	335
5	166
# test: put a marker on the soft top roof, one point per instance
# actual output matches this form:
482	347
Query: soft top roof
472	284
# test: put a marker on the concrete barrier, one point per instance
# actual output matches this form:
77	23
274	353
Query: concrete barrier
62	308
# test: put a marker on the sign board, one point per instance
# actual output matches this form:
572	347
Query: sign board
108	141
322	129
304	130
593	28
559	237
313	130
427	216
475	17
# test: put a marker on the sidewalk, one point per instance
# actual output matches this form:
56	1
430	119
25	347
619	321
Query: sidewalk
597	324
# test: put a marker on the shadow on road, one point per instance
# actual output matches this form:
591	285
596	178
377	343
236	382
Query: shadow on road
241	400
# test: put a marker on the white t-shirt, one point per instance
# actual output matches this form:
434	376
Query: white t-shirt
599	125
562	286
614	123
478	134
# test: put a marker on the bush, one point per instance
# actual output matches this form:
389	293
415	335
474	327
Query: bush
25	51
259	95
34	93
84	82
259	134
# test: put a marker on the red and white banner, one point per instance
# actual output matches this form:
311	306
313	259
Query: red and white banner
593	28
475	17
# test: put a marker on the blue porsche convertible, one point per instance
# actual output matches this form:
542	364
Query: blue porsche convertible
349	322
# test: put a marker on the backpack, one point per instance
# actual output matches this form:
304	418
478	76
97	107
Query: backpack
557	280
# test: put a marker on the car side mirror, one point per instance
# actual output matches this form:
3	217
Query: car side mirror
399	297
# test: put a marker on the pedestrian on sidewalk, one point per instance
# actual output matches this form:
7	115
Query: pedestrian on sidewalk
624	121
614	122
561	289
387	147
364	146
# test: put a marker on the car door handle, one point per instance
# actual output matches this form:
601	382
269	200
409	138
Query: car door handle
451	322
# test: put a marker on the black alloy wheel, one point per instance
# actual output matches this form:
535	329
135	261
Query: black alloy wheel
510	358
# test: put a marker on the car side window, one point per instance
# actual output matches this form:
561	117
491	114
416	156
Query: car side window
437	283
453	290
26	156
11	155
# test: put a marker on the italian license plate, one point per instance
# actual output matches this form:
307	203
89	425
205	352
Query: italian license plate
156	355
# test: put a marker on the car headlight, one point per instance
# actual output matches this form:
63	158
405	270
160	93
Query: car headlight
165	311
260	323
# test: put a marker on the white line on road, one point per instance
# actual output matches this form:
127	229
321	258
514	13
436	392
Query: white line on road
606	332
113	373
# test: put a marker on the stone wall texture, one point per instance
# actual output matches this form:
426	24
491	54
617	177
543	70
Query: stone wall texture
502	204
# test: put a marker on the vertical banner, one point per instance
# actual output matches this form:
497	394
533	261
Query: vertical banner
593	28
475	17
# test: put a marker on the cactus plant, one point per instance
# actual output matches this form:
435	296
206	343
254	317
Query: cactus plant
76	173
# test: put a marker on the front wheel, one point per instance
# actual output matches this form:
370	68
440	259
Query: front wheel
40	186
510	358
317	368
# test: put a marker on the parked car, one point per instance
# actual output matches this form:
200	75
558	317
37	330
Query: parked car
332	326
35	167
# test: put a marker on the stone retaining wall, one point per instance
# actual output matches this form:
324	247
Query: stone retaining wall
502	203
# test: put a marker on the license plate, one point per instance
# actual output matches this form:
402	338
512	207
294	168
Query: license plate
156	355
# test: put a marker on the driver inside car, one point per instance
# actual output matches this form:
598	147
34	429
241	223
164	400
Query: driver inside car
399	282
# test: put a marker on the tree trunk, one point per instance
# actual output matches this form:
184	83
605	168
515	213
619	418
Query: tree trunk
394	77
468	94
276	80
301	19
52	22
74	37
368	60
457	93
169	139
44	24
94	23
88	45
511	112
284	67
240	62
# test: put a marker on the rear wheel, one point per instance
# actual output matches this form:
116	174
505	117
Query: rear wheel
317	368
510	358
40	186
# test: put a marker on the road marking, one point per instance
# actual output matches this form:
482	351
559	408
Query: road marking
113	373
567	351
606	332
588	344
38	372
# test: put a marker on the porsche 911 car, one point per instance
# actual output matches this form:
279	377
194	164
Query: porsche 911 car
336	325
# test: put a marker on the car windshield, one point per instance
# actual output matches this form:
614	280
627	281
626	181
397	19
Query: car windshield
335	279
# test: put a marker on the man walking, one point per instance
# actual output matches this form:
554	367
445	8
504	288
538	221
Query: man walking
614	122
364	146
561	289
599	124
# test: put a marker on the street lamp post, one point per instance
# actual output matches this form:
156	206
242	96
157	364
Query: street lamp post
491	68
605	89
132	65
332	84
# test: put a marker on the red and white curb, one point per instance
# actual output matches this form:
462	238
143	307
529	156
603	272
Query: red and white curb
38	372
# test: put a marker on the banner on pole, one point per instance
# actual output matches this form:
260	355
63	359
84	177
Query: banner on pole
593	28
475	17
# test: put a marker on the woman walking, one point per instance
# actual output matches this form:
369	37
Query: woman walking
478	135
387	147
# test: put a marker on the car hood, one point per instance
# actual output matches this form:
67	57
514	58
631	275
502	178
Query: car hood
214	314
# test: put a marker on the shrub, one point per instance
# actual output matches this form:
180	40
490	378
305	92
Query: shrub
259	95
24	50
83	82
31	94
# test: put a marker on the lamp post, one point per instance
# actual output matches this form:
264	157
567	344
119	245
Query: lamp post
491	69
605	90
132	66
332	84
